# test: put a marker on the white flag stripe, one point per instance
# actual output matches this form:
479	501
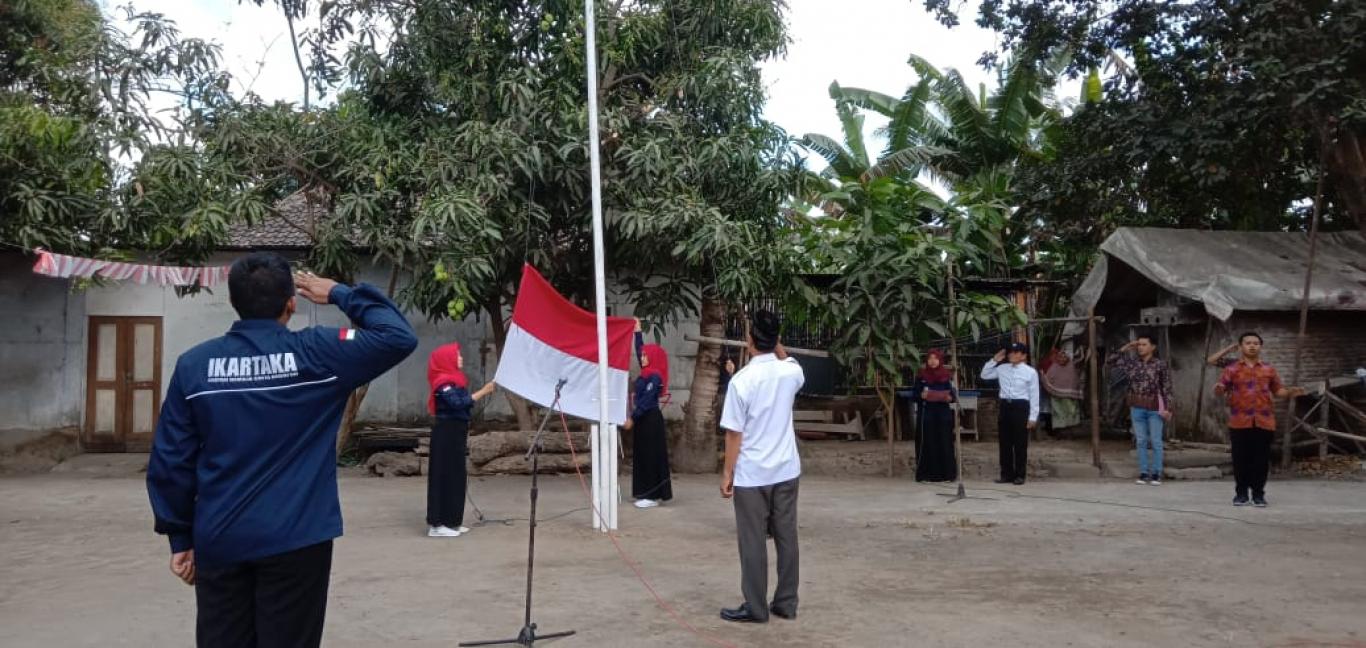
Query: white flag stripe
530	368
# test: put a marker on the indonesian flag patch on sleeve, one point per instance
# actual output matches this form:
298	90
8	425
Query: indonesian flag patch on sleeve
346	334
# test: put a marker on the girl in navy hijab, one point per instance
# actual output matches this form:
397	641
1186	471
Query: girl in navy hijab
651	483
450	401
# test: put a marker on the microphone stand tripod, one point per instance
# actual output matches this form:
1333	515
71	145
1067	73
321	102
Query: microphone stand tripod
528	636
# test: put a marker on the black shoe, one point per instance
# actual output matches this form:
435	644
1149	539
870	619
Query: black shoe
1240	500
778	612
740	614
1019	481
1259	502
1002	480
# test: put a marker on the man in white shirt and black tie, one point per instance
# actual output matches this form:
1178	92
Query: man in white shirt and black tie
1019	409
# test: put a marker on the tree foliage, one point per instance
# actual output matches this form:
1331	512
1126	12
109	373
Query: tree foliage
1215	115
888	238
80	103
451	138
456	144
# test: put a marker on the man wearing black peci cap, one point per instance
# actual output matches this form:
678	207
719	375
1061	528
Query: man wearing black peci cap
762	470
1019	413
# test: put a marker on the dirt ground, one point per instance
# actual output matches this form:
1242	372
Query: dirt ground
884	563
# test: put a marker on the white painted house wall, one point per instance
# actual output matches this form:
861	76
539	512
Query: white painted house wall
43	345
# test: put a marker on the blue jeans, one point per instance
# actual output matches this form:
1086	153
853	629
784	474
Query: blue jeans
1147	429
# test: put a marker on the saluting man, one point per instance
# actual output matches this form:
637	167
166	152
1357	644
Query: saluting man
1019	409
243	472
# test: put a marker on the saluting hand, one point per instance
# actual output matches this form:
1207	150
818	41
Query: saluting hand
313	288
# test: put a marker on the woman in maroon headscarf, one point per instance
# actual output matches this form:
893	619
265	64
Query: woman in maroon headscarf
450	401
934	457
651	483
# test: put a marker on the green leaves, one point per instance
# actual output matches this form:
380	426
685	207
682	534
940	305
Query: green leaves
74	106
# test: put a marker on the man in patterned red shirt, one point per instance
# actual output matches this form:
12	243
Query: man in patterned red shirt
1249	385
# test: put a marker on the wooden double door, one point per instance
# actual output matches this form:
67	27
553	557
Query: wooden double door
123	384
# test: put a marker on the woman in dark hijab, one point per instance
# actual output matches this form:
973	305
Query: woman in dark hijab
934	456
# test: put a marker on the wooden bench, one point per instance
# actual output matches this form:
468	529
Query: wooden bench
823	421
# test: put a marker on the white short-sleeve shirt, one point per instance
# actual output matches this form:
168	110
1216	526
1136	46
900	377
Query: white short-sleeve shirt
759	407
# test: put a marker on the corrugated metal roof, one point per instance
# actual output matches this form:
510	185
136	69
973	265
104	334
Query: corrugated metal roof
1232	271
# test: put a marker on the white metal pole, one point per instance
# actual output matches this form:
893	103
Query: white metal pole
599	253
613	490
595	448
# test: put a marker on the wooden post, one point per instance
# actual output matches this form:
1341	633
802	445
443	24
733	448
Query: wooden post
1286	451
891	434
957	400
1095	386
814	353
1204	366
1324	421
1031	340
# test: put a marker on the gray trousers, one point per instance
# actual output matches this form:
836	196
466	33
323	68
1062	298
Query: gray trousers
759	511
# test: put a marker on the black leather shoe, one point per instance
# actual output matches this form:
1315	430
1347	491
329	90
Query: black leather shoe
740	614
1019	481
1002	481
778	612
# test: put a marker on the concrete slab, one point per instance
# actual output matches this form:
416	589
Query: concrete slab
1207	472
1071	470
884	562
105	464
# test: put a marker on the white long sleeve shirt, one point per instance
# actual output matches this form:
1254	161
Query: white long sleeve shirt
1018	382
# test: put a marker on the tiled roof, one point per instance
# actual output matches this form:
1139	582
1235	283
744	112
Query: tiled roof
292	229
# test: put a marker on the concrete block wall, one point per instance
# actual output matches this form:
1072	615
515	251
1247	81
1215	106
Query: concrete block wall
42	353
1334	345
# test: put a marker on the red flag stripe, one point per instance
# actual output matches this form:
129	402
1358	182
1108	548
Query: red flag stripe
556	321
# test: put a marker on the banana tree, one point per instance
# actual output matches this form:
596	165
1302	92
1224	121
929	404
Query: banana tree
890	300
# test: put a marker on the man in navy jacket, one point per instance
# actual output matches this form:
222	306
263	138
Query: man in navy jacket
243	472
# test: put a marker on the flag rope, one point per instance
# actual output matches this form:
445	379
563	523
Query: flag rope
625	557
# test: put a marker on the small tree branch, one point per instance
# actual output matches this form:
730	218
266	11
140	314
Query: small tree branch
611	83
294	41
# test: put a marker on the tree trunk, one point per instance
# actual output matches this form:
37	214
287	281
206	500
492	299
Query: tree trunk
520	408
349	417
695	451
1347	171
357	397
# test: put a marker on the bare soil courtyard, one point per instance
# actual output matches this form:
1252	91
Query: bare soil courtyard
884	563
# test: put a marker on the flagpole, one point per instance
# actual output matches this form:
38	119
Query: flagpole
609	460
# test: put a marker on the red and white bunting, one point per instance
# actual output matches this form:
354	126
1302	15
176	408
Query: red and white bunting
65	267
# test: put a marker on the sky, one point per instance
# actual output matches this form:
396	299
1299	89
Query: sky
860	43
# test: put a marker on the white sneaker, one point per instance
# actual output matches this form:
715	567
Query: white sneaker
1155	481
442	532
646	503
1142	481
463	530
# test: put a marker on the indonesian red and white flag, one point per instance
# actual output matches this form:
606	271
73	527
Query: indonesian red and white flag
552	339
